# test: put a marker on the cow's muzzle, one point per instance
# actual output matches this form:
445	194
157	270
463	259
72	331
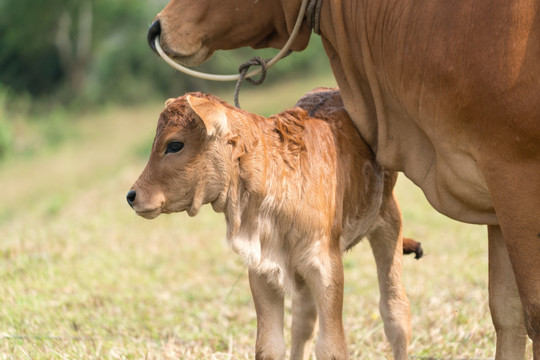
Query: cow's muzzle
131	195
153	32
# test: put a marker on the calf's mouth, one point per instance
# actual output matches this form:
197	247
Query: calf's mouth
149	214
144	208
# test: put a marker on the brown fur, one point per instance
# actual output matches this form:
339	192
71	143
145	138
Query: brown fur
445	91
297	190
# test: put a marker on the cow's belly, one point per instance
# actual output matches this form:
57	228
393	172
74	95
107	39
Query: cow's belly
455	186
440	162
449	178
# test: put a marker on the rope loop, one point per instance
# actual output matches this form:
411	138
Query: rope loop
244	68
254	61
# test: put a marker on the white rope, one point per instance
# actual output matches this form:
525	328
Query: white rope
235	77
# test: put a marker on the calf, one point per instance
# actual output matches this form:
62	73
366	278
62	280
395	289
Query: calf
297	189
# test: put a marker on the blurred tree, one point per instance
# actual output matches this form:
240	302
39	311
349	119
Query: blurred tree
53	45
74	45
27	59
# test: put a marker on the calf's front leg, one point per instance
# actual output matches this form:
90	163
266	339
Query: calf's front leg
326	285
268	302
304	320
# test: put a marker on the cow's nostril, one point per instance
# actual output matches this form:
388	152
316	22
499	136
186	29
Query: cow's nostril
153	32
131	195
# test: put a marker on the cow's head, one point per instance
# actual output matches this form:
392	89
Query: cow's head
191	30
190	158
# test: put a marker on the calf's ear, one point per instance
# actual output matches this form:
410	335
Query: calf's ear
211	113
169	101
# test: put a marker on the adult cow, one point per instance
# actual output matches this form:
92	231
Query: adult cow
446	91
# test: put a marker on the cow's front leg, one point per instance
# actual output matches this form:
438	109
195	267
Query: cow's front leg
386	243
515	190
304	320
326	284
268	302
504	301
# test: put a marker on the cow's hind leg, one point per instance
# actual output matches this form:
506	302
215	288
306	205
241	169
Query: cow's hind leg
268	301
386	244
304	321
504	301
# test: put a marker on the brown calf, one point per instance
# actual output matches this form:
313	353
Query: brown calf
297	189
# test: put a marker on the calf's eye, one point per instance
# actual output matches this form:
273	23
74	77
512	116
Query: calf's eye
174	146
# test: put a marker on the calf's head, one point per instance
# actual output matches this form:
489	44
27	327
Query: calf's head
190	159
191	30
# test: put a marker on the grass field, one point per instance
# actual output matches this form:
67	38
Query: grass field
82	277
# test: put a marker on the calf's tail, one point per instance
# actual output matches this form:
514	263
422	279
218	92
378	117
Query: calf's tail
411	246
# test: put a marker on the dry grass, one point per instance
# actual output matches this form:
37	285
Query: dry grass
82	277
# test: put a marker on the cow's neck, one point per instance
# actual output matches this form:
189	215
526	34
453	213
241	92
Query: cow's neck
346	22
357	35
389	73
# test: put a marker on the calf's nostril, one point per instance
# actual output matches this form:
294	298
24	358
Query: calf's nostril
131	195
153	32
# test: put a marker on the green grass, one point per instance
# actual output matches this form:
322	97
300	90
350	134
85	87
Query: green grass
82	277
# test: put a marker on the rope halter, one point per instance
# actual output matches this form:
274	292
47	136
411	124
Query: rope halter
313	21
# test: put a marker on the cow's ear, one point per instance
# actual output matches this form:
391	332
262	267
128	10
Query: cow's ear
169	101
213	114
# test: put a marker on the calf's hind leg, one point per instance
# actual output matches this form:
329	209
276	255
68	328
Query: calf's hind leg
386	243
